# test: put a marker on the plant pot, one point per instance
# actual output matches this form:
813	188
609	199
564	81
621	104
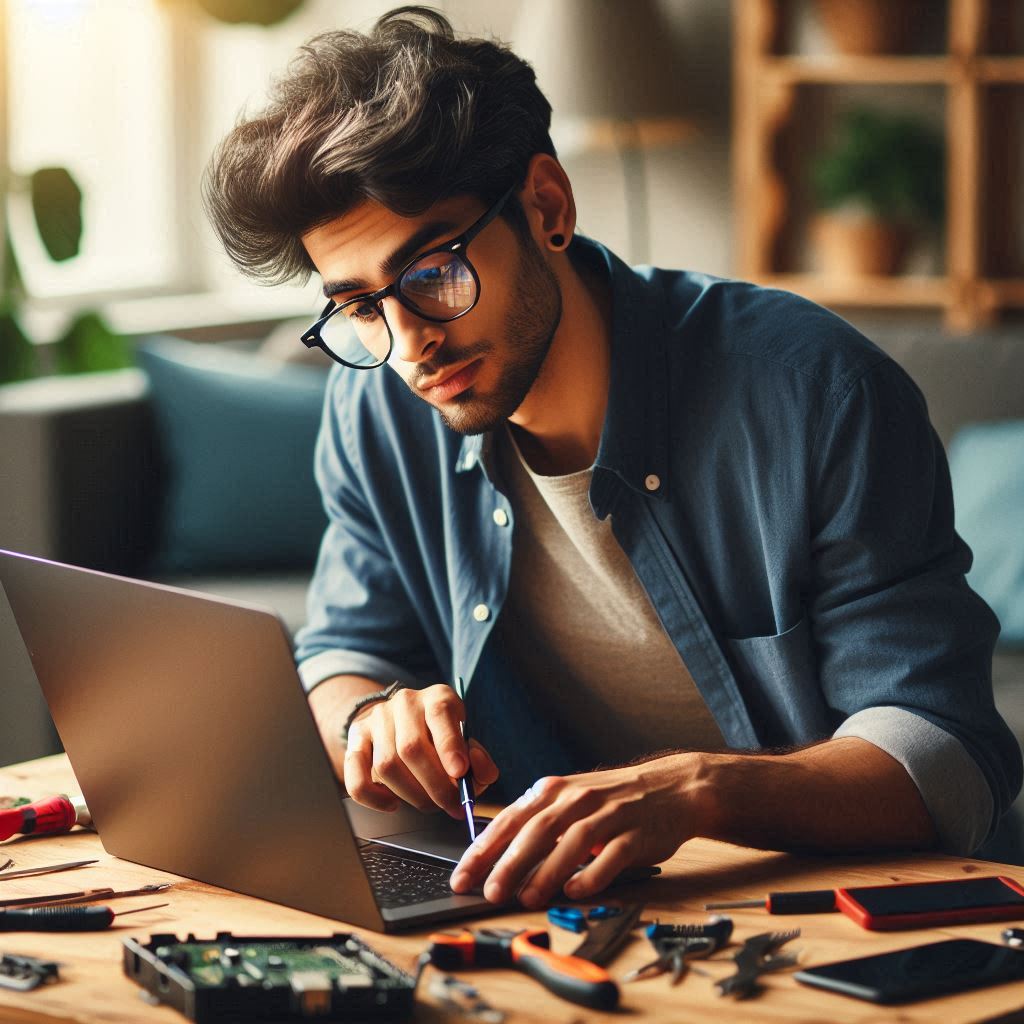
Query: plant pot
868	26
859	245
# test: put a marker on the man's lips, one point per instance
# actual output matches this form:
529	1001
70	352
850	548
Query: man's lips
449	386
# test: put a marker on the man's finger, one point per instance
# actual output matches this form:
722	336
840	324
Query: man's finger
387	766
443	714
619	853
565	857
493	841
485	771
357	775
557	839
414	744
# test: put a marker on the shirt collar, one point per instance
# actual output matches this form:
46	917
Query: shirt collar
633	444
633	440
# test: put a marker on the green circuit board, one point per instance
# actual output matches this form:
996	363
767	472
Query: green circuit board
248	978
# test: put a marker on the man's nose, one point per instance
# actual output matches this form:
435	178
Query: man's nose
415	339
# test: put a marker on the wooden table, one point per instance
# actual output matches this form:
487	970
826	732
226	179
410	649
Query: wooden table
93	987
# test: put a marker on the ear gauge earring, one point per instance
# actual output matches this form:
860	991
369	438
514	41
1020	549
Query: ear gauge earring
558	241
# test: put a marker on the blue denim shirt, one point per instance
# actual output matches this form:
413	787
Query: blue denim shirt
774	480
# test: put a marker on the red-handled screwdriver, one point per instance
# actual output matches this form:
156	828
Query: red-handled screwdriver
811	901
52	814
64	919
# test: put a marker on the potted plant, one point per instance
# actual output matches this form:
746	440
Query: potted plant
87	344
869	27
878	183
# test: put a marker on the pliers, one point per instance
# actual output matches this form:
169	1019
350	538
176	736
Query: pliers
676	944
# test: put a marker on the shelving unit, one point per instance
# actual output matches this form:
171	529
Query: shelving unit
982	271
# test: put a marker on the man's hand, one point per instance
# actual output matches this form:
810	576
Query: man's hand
841	794
409	747
635	815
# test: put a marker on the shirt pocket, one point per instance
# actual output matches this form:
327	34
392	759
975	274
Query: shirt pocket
778	678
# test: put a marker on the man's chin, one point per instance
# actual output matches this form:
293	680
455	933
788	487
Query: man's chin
470	414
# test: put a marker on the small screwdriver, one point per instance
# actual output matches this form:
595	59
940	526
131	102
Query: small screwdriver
467	794
811	901
64	919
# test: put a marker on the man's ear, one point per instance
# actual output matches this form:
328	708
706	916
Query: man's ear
547	200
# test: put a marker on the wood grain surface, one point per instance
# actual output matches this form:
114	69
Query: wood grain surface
93	988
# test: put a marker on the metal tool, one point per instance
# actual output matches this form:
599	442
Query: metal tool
85	896
579	981
676	944
811	901
673	954
607	937
457	996
467	794
45	869
24	973
758	955
64	919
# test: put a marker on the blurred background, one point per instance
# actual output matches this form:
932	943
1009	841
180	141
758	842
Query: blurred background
157	412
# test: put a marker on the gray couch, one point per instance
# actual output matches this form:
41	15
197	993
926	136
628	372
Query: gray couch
80	475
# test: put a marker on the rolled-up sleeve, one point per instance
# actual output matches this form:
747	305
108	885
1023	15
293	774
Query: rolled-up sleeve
360	619
904	645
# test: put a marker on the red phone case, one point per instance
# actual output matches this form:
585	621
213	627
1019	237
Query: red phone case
846	901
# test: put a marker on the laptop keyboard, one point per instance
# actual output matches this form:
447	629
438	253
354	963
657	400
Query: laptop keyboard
401	881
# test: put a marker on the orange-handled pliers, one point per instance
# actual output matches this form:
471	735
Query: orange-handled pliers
570	977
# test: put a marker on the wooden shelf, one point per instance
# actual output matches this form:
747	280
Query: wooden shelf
776	97
991	70
860	70
901	291
1005	293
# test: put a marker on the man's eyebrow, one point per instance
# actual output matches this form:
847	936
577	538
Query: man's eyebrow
390	266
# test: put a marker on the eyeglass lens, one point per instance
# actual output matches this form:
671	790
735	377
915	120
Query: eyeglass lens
439	287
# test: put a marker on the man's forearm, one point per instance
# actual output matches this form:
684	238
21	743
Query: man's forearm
843	794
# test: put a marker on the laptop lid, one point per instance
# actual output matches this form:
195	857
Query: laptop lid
191	737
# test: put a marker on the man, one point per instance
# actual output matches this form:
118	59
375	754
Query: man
691	529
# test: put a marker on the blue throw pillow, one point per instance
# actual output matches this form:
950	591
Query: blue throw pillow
237	433
986	461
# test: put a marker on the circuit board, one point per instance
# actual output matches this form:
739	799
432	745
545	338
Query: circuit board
281	979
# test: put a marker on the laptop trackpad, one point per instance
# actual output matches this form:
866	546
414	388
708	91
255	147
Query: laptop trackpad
435	835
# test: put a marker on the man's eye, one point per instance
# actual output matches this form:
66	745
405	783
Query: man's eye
362	312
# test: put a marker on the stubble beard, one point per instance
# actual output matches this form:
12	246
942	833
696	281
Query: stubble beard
536	311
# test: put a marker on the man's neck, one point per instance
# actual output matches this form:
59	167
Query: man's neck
558	426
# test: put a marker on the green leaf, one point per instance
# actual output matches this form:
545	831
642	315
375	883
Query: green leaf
57	204
892	164
90	346
17	353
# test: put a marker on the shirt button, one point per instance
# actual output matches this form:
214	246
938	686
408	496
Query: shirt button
500	517
481	613
652	482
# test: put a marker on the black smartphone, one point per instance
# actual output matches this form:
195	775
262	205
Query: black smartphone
919	972
928	904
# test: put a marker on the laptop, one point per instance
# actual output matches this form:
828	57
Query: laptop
191	737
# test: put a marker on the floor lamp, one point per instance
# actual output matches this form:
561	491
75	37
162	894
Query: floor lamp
614	83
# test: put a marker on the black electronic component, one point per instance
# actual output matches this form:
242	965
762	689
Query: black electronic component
249	978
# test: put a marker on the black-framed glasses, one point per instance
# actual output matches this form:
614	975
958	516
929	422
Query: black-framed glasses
439	285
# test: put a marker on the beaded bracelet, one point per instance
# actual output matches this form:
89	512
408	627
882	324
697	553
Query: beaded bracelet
370	698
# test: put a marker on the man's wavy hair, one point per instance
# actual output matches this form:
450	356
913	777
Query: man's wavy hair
406	115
